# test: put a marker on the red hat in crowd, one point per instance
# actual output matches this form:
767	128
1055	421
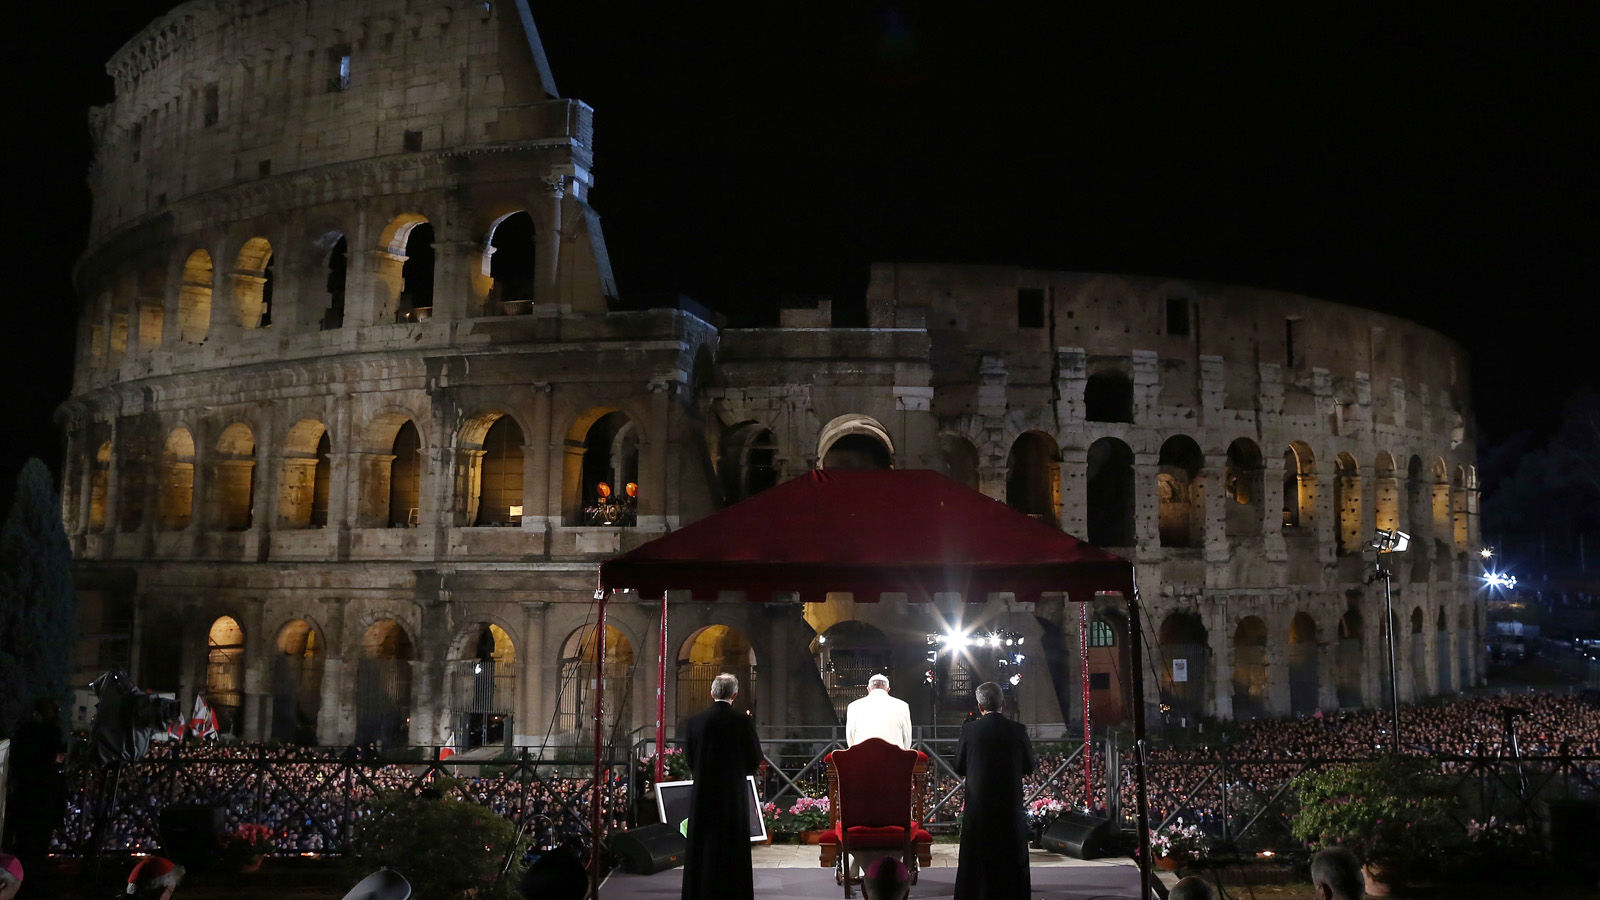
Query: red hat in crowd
152	872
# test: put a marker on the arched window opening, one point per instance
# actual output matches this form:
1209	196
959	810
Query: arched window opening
575	707
1347	497
1250	669
509	261
1441	500
99	484
1419	655
1303	684
194	298
749	462
177	481
225	672
297	684
1033	477
338	271
1459	519
500	494
1108	397
610	465
1244	476
235	477
961	460
486	687
1185	653
1348	662
857	451
1101	634
1110	494
303	491
252	284
405	477
383	686
1416	496
1385	494
416	275
706	654
1181	499
851	651
1299	486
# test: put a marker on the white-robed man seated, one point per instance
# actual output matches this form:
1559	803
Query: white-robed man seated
878	715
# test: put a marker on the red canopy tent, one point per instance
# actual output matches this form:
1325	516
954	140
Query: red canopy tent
868	533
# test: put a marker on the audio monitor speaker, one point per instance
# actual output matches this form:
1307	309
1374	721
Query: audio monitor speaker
650	849
1077	835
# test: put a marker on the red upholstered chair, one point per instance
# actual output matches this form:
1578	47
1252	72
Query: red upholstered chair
875	792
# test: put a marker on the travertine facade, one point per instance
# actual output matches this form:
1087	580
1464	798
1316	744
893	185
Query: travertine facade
351	373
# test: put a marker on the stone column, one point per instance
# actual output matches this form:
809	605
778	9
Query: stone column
1216	508
540	510
653	457
1272	507
1277	659
1219	635
1146	503
533	712
1074	510
1327	672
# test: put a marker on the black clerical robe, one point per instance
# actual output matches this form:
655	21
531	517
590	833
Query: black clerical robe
722	748
993	755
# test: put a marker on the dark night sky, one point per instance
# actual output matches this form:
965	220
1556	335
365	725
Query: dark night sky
1442	167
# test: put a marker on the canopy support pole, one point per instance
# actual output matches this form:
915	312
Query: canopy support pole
597	786
1136	664
661	695
1083	681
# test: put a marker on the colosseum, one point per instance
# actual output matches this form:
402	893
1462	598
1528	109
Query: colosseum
358	410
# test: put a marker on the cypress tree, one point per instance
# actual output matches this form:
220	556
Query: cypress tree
38	605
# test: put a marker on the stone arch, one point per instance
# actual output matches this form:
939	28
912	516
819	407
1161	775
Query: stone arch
1443	662
225	661
1033	477
1347	499
194	297
602	461
1349	656
855	442
483	676
334	247
706	653
303	485
1460	530
404	271
1250	668
1110	498
1299	486
235	480
1303	665
176	499
383	685
1181	502
495	488
749	463
297	682
405	477
575	702
960	458
1385	493
850	651
1419	654
509	250
1183	637
1244	478
252	280
1108	397
1441	498
99	485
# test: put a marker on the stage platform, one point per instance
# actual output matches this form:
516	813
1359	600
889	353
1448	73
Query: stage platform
792	872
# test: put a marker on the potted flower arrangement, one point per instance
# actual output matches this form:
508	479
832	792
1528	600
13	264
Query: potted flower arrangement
1393	814
674	765
1177	844
810	816
244	847
772	815
1041	812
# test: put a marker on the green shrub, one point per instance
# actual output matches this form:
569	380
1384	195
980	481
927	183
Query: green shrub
1392	813
445	846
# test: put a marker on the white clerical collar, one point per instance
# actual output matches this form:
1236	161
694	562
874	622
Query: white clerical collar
729	702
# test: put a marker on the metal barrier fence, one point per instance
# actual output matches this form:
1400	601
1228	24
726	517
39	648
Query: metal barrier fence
313	801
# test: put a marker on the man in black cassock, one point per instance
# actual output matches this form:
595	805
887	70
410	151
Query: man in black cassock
722	748
993	755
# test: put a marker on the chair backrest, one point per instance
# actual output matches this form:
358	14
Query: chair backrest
875	784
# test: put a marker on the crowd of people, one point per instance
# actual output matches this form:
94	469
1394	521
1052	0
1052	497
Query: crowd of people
310	798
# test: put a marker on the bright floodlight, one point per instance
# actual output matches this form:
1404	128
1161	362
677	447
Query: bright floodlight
1395	541
1500	580
994	640
1016	679
1486	552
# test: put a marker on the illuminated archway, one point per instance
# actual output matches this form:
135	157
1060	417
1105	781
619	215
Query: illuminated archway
297	683
1250	669
225	672
383	685
704	655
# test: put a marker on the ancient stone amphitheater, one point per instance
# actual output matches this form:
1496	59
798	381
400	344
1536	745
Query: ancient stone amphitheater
357	412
